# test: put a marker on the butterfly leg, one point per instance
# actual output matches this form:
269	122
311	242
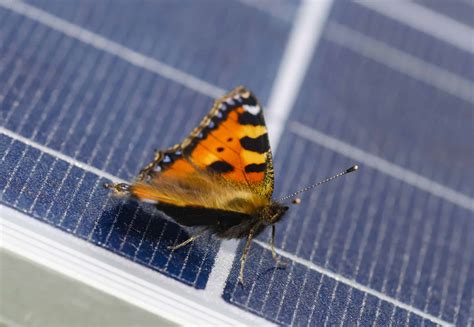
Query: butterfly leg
279	262
189	240
243	258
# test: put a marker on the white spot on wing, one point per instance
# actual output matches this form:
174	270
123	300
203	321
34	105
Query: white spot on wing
149	201
254	110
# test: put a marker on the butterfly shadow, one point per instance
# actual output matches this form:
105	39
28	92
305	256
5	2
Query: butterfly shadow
144	234
258	270
265	274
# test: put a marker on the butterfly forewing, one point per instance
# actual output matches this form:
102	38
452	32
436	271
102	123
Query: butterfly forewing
227	156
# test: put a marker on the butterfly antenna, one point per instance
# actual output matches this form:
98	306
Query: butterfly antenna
307	188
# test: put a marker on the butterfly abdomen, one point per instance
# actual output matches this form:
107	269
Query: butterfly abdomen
257	221
221	223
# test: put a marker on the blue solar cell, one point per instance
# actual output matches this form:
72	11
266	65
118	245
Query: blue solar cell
404	121
79	121
298	296
383	233
357	116
104	111
215	41
403	37
369	310
463	315
400	317
9	167
60	194
459	11
384	315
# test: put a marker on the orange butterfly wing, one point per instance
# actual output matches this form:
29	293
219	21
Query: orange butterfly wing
231	144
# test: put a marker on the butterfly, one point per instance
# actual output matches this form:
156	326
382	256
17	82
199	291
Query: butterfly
220	178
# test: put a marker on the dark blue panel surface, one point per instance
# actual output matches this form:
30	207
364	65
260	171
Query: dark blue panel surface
371	228
459	11
93	106
300	296
213	40
377	230
106	112
405	38
388	114
97	108
73	200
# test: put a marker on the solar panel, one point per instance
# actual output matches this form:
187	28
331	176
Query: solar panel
88	90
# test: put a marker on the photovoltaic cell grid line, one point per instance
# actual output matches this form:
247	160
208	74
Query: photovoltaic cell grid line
460	10
215	41
95	107
369	227
310	298
374	231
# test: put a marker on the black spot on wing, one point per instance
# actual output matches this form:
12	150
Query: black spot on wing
247	118
259	144
256	168
220	167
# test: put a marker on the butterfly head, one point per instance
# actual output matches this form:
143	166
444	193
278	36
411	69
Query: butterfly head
272	213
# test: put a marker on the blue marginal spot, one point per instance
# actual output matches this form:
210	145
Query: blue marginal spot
166	159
